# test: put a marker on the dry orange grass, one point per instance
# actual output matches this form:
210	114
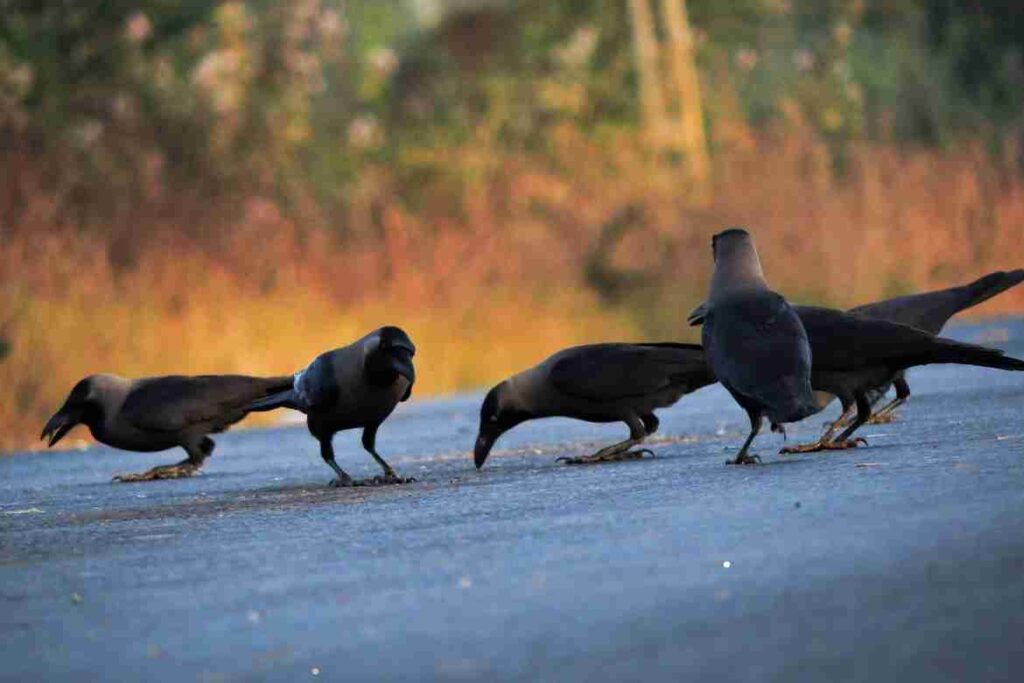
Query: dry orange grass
489	278
180	313
899	222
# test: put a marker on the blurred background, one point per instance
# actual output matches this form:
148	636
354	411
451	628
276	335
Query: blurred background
196	186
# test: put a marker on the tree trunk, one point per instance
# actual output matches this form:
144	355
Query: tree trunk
645	44
690	128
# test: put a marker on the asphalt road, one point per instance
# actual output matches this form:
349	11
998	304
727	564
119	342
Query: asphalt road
903	560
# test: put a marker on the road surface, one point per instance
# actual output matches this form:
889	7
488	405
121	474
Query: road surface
903	560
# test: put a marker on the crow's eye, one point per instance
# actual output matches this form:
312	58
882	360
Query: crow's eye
493	418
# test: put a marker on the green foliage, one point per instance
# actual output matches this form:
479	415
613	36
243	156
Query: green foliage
304	96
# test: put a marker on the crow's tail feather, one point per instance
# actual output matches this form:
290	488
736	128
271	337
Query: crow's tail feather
949	351
282	399
986	287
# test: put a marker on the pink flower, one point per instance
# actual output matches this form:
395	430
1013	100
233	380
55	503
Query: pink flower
746	59
138	27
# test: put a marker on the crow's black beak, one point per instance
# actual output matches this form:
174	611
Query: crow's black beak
401	362
696	316
63	421
484	442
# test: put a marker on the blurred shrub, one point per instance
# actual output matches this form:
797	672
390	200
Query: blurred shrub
301	99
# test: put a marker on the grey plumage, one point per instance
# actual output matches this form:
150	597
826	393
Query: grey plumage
157	413
355	386
596	383
755	343
854	354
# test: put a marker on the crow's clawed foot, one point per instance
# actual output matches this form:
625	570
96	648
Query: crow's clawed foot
803	448
179	471
838	445
882	418
744	459
379	480
637	454
834	445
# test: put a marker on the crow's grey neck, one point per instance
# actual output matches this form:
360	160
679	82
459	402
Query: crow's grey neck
737	268
525	392
111	390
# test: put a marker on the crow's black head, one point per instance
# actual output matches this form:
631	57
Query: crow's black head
728	236
498	414
391	358
395	337
82	406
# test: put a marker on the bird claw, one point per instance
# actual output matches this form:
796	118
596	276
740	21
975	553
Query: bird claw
179	471
834	445
802	448
745	459
637	454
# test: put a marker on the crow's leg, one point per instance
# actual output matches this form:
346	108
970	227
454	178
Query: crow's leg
188	467
651	423
327	453
887	413
638	431
829	443
743	458
844	418
390	476
863	414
